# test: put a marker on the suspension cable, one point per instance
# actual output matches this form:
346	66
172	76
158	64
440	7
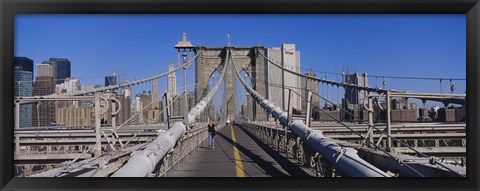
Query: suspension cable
112	87
356	133
343	84
68	166
323	145
387	76
374	127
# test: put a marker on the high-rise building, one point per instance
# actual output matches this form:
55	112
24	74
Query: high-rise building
61	68
127	91
45	69
126	102
72	85
70	115
143	100
22	82
23	87
124	113
25	63
111	80
172	83
155	97
352	95
289	58
312	86
43	112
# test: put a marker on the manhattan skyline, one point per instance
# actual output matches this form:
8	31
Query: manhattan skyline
389	45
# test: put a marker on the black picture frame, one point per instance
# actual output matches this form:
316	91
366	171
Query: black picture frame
8	9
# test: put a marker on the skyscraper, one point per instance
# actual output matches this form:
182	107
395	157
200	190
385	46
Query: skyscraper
172	83
44	112
72	85
155	98
111	80
312	86
23	87
289	58
352	95
61	68
45	69
25	63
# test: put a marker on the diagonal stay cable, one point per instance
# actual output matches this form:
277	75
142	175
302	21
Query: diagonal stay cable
337	155
159	148
125	144
378	90
374	127
360	135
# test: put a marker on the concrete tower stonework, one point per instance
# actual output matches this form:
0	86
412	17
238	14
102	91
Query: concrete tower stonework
213	58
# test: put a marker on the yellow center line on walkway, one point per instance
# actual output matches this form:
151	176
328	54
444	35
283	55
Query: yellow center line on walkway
238	160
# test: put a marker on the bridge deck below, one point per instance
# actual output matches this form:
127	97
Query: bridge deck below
236	154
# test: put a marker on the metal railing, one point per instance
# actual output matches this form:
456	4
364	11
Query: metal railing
344	159
142	163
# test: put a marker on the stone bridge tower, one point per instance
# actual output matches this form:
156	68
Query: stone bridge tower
213	58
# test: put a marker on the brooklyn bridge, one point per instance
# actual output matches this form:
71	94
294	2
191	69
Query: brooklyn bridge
281	122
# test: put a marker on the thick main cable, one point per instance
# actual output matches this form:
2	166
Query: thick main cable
345	160
142	163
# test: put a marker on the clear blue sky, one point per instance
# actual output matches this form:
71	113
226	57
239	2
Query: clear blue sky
141	45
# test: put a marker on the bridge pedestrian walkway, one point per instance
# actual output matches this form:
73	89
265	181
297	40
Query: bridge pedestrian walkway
236	154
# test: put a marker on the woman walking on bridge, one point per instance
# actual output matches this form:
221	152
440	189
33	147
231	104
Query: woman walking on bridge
212	130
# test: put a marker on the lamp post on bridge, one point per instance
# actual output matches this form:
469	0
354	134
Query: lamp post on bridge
183	47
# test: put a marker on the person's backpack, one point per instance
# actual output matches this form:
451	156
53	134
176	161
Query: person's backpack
214	132
212	129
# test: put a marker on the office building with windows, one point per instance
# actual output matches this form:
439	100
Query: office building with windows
43	112
61	68
25	64
111	80
23	87
288	57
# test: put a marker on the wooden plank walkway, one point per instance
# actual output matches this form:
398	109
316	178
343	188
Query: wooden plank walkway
236	154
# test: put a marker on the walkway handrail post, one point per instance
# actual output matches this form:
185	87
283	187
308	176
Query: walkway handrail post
370	120
308	117
17	127
389	110
98	146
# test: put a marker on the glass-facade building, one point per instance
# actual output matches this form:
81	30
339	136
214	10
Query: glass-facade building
25	64
23	87
61	68
110	80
